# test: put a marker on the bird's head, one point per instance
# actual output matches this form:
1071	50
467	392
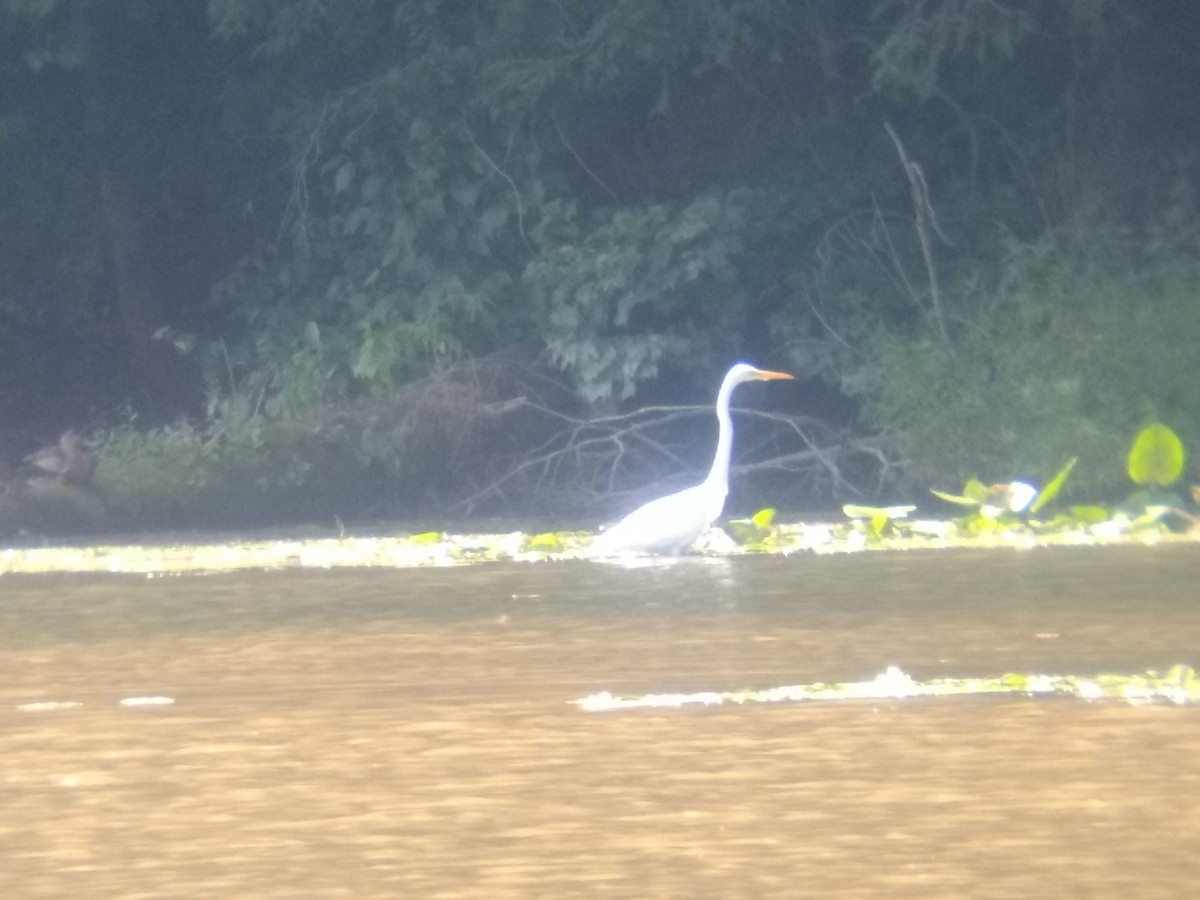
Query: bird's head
745	372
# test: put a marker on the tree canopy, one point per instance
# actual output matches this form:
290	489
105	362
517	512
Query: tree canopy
934	211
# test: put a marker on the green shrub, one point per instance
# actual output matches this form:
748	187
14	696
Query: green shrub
234	472
1072	343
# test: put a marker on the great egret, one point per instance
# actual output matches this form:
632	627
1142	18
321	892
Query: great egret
671	524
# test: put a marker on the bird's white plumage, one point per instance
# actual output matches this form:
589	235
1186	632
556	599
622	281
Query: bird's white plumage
671	524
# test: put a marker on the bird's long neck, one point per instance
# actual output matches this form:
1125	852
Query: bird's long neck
719	473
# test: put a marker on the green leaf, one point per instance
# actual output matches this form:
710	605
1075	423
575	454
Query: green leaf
763	518
955	498
1090	514
855	511
744	531
1156	457
977	490
547	541
1050	491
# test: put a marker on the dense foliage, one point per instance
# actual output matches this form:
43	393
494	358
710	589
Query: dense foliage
970	225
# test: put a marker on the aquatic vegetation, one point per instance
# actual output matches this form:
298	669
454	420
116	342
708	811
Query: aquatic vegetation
547	541
1007	505
1000	515
1155	462
1179	685
1157	457
877	522
755	532
1015	497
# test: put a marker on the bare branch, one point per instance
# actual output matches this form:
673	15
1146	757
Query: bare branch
925	220
496	435
579	159
508	178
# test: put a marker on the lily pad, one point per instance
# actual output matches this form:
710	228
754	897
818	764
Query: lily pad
548	541
1156	457
752	531
764	518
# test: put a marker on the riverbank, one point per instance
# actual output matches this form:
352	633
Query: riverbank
208	554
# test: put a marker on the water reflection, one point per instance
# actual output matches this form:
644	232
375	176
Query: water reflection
409	733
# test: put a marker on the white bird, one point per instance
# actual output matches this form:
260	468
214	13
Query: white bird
671	524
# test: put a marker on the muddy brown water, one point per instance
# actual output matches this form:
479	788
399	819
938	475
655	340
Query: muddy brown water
410	733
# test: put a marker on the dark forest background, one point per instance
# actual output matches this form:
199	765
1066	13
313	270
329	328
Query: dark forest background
285	260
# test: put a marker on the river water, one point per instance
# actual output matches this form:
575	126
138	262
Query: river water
411	733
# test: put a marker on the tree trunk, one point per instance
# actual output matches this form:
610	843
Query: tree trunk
169	382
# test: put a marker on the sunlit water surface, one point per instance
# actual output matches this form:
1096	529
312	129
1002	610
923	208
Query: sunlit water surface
410	733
